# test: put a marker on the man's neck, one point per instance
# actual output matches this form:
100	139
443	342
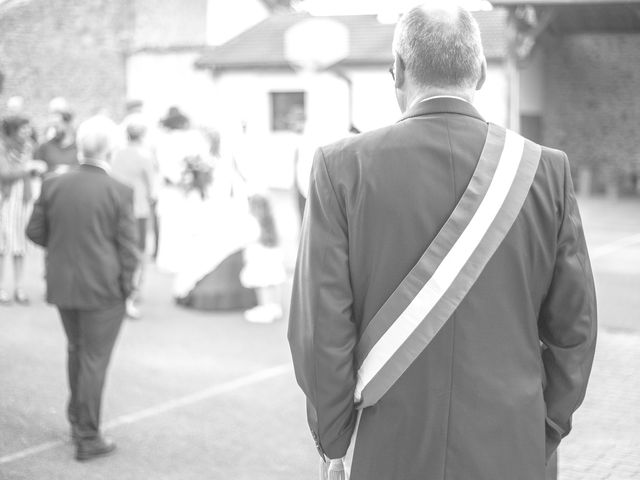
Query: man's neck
427	93
98	162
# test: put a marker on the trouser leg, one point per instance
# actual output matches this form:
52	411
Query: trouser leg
99	331
138	275
70	323
156	230
552	467
302	201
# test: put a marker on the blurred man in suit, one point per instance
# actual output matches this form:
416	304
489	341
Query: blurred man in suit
437	254
84	218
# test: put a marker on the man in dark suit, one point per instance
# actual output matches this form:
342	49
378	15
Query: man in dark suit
84	219
472	401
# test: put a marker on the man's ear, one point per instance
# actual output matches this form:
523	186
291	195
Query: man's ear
400	72
483	74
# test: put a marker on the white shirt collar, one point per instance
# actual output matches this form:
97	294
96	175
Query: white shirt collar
437	96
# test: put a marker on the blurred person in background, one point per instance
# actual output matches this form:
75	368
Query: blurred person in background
59	151
437	255
134	110
135	165
209	277
16	198
15	106
264	264
179	150
84	219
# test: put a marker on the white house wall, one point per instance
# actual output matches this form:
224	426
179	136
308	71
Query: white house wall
161	80
374	100
243	99
492	100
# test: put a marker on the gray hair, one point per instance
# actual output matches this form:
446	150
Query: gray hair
440	47
96	137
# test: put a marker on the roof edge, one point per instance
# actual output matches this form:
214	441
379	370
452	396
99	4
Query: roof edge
573	3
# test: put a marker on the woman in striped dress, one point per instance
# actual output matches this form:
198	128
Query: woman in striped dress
16	167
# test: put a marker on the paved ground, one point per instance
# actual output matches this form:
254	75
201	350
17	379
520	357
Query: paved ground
606	434
193	395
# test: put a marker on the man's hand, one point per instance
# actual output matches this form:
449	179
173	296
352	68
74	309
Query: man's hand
332	470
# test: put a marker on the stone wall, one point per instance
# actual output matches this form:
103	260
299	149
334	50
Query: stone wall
70	48
592	105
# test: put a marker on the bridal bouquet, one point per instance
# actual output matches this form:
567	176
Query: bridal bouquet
197	175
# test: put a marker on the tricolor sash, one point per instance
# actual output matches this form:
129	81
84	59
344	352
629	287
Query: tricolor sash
427	297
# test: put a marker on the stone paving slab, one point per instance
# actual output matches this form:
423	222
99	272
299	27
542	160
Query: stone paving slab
605	441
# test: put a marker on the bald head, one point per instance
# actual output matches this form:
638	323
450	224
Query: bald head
96	138
440	47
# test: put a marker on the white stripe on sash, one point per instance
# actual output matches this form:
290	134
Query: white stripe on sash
450	266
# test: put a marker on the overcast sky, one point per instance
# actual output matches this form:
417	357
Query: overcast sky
351	7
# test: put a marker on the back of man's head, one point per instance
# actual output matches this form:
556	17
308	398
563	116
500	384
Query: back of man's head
135	127
96	138
440	45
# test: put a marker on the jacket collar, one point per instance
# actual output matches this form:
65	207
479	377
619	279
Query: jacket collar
432	106
97	167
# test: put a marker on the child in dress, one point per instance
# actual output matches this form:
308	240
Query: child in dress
264	265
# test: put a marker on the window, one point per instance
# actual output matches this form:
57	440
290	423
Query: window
531	127
287	111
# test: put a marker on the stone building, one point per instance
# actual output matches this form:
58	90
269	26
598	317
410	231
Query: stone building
98	53
73	48
588	57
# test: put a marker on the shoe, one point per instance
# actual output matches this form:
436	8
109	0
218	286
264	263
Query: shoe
257	314
133	312
276	311
21	297
5	299
75	438
94	448
263	314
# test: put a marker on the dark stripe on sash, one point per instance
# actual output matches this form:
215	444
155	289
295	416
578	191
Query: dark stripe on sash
439	247
446	306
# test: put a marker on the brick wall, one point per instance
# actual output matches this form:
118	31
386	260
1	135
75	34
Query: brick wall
69	48
592	100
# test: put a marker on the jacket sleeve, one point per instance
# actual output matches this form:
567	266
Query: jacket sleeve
568	323
322	333
126	242
38	227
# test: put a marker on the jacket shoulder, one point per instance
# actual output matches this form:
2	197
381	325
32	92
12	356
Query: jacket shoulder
123	189
555	162
347	152
51	182
359	142
553	155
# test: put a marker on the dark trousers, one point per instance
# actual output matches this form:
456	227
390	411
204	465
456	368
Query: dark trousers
91	335
142	234
552	467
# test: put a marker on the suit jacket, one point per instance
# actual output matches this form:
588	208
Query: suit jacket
473	404
84	218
